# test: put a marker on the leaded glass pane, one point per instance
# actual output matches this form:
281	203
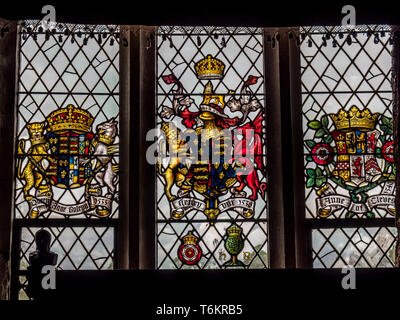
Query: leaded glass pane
347	101
67	143
359	247
347	122
210	86
77	248
67	122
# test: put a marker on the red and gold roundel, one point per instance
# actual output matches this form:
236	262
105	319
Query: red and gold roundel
387	151
189	251
322	153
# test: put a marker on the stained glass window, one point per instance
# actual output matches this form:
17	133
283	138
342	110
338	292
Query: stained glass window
67	141
347	102
211	210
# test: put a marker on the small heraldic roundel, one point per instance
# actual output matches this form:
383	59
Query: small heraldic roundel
189	251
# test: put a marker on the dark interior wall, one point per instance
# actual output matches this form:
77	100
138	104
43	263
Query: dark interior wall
250	13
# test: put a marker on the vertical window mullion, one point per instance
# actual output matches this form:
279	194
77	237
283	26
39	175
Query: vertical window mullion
145	104
275	153
396	115
302	243
8	45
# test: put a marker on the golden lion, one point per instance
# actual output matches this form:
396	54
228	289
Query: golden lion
33	172
174	173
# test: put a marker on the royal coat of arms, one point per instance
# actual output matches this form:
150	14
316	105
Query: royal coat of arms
357	158
214	154
63	153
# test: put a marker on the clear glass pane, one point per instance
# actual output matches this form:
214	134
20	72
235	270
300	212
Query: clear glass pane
360	247
89	248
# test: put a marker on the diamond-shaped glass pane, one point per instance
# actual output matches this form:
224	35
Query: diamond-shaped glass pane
213	245
78	248
358	247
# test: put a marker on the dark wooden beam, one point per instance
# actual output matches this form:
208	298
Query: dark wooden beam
126	172
287	147
146	173
276	234
8	44
396	115
302	241
180	12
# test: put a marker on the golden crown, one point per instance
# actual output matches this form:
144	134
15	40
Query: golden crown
209	68
234	231
70	118
355	119
106	139
190	238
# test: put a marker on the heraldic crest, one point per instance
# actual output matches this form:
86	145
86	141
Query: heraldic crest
64	153
353	164
234	163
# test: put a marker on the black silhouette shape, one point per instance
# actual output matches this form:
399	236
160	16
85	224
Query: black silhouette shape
37	260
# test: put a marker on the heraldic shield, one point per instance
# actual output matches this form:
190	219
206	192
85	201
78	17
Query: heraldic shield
65	154
356	142
69	145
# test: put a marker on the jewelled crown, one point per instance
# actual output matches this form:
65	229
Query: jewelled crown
209	68
190	238
234	231
355	119
70	118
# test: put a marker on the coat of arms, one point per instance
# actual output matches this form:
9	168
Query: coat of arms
63	153
356	157
212	154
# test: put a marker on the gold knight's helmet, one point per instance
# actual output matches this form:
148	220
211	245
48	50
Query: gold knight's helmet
212	104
